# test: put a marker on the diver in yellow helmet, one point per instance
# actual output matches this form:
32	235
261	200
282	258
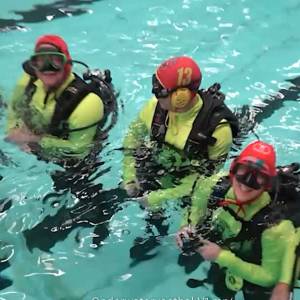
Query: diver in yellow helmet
53	110
249	228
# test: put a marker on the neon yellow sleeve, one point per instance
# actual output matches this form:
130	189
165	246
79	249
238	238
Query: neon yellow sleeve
202	189
88	112
133	139
194	214
156	198
12	119
288	261
136	134
222	146
276	241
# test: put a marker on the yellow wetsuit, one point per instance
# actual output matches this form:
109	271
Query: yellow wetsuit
288	263
277	242
169	156
41	109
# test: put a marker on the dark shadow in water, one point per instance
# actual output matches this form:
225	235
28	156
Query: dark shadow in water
4	282
5	204
95	208
40	13
251	116
149	241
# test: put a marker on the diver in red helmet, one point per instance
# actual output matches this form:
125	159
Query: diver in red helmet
52	109
59	116
190	132
248	229
180	136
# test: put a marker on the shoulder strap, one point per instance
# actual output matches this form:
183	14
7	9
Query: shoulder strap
199	139
209	117
66	104
158	126
101	85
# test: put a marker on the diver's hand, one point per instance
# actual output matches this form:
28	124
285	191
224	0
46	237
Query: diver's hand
184	233
25	147
22	136
281	291
143	201
132	188
31	147
209	251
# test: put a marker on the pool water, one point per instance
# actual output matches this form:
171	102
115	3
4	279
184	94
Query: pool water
250	47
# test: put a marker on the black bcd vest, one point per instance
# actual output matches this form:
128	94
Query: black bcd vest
70	98
209	117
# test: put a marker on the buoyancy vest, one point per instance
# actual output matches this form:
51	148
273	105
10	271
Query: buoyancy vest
284	205
214	110
71	97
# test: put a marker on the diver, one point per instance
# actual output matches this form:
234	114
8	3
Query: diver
53	111
249	226
65	119
182	135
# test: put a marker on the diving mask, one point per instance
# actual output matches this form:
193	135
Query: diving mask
158	90
49	60
251	176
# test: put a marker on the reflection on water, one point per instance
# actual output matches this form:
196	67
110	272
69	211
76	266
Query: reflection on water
45	218
46	12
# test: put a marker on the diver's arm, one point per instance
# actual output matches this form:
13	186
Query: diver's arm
185	188
13	121
288	274
193	185
276	242
133	139
79	142
135	136
288	262
194	214
217	155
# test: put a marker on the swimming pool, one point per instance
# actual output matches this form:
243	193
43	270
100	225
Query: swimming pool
250	48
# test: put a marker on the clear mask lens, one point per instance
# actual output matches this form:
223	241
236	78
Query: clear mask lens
48	61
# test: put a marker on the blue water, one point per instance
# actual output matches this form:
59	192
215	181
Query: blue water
251	47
